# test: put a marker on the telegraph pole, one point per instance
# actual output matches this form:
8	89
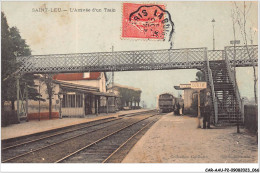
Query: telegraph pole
199	115
113	82
113	73
39	109
213	25
251	37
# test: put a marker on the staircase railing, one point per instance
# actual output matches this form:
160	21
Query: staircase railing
215	103
232	77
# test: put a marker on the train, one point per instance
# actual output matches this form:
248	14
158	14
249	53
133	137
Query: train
166	102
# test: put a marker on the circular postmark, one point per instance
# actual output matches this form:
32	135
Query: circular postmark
148	22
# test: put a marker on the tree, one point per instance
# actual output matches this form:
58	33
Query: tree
200	76
8	62
234	21
48	80
123	97
138	97
22	49
14	46
242	23
239	17
131	97
128	96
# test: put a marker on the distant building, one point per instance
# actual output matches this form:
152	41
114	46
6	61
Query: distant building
128	97
188	96
75	94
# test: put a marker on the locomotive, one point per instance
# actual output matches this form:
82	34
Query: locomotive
168	103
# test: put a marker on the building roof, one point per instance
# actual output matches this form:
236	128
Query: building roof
76	86
66	86
77	76
124	86
170	93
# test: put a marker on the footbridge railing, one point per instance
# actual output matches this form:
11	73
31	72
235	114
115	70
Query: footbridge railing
114	61
244	55
132	60
213	55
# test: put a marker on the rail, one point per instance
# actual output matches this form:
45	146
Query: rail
99	140
127	141
59	133
25	152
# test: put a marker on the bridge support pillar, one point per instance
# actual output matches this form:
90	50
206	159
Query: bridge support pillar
199	116
107	104
18	97
26	102
84	105
97	105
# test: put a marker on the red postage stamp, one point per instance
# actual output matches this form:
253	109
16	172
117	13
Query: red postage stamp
145	21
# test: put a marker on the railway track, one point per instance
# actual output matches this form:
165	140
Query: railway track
48	135
50	146
102	149
9	143
13	142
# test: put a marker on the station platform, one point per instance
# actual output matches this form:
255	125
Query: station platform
176	139
36	126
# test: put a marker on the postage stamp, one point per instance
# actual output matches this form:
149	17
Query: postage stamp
146	21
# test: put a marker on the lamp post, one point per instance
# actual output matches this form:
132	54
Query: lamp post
213	25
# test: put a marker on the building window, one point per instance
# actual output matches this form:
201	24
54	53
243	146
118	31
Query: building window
68	101
79	100
72	101
64	101
86	75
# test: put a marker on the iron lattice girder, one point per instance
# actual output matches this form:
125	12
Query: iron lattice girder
242	56
131	60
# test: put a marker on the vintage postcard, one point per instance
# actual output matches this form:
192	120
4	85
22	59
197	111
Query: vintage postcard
129	82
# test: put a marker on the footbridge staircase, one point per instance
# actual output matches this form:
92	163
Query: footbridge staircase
220	73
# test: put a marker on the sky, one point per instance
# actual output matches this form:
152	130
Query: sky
83	32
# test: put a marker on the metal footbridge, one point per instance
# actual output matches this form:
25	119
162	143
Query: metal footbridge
217	66
134	60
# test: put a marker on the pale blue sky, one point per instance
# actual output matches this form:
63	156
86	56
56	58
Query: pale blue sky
61	33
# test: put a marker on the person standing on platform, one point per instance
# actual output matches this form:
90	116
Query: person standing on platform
178	109
206	112
183	109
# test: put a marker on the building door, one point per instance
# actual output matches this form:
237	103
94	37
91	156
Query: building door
97	104
88	101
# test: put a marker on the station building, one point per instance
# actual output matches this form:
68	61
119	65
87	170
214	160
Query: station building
74	95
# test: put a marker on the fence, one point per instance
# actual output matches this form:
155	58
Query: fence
8	117
251	117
